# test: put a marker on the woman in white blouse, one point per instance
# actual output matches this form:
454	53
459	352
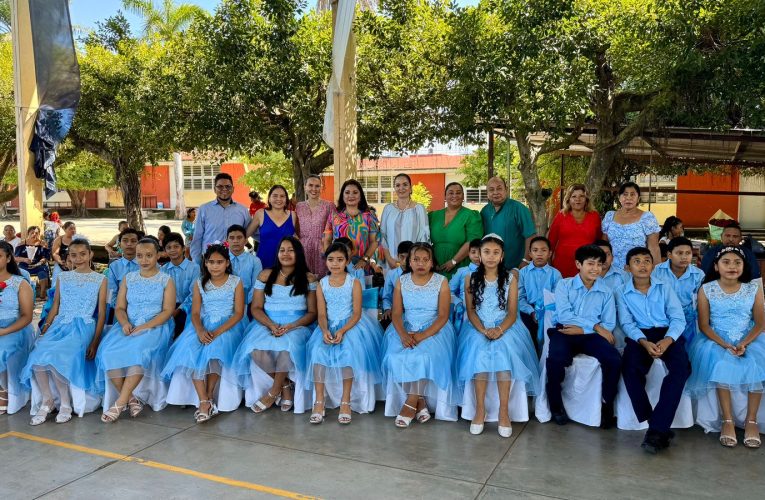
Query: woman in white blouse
402	220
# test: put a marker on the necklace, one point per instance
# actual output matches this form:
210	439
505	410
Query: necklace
408	202
282	274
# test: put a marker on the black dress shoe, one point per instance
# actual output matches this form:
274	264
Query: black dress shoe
652	443
665	438
560	417
607	418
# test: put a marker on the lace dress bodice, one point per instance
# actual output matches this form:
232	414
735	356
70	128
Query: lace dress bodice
731	313
420	302
339	299
9	300
489	312
217	301
79	295
145	296
281	304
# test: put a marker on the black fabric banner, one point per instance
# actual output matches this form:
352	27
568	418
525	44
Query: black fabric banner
58	83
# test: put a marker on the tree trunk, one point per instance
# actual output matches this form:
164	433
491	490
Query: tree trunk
129	181
77	197
529	154
299	175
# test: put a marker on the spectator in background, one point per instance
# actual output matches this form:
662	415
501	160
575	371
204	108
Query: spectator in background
255	203
9	235
732	236
113	247
672	228
32	255
162	233
51	228
187	228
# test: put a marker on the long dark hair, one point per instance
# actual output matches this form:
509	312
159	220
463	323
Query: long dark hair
82	242
714	274
669	224
219	249
338	246
478	278
298	278
420	246
363	205
12	266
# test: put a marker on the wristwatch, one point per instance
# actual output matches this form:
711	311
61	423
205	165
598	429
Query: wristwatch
454	262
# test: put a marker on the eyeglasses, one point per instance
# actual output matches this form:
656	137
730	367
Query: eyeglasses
226	187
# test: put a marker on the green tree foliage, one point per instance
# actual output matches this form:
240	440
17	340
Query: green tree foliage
8	171
421	195
270	169
78	172
5	16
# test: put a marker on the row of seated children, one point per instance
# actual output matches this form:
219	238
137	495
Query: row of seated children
419	347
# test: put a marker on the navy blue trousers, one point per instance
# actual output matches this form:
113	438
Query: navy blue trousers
635	366
561	352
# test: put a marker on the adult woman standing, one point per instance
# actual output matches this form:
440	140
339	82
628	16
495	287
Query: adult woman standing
312	217
451	230
577	224
353	219
60	247
402	220
32	255
275	222
630	227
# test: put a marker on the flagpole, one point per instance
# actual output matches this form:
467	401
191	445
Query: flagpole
27	103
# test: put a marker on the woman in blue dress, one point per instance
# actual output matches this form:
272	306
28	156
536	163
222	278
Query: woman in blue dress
344	350
273	223
132	353
16	331
419	344
61	366
273	351
730	356
199	362
494	347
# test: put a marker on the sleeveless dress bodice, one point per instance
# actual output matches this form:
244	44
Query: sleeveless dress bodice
420	302
281	304
145	296
489	312
339	299
9	300
731	313
217	301
79	295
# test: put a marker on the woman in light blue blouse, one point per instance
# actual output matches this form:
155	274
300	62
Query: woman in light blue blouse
630	227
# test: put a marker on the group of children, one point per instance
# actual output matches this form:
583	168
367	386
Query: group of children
210	335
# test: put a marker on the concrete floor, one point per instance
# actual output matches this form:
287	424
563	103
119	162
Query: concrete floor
242	455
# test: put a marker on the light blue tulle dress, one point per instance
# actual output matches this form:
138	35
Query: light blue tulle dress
357	356
61	351
261	353
425	369
14	347
190	358
713	366
121	355
510	357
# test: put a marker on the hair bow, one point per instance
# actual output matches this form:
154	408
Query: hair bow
218	243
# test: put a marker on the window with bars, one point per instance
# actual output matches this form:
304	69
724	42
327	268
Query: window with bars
199	177
476	195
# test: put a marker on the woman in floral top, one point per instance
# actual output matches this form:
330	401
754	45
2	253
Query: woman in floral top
353	219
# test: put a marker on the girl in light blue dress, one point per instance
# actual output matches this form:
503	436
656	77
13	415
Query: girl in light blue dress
132	352
16	331
494	346
730	356
344	350
199	363
271	362
60	368
419	344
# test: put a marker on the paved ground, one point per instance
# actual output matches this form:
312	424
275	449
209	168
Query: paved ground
242	455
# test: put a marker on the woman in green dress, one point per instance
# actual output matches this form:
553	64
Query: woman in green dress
451	230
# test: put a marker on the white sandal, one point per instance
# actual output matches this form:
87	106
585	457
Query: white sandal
403	422
345	418
200	416
260	407
316	417
423	415
64	415
727	440
4	406
752	441
41	416
286	404
135	406
112	414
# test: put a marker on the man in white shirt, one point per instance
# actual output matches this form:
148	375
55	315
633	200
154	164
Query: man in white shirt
9	235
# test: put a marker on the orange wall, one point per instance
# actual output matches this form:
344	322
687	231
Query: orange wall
241	191
435	184
696	209
328	188
155	181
